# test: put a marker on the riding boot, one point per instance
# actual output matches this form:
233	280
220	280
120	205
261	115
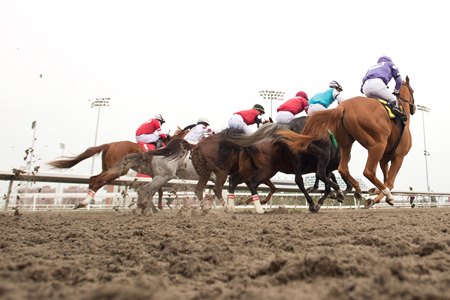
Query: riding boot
397	112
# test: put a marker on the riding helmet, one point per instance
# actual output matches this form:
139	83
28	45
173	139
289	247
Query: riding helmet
302	94
384	58
259	107
336	85
203	120
160	118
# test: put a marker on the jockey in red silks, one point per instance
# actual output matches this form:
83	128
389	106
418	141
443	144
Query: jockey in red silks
242	119
286	112
150	132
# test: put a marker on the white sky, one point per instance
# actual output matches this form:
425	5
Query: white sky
186	59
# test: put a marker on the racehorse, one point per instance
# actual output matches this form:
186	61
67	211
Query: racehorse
163	165
112	153
211	156
267	157
364	120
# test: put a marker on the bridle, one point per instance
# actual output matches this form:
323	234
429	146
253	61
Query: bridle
411	102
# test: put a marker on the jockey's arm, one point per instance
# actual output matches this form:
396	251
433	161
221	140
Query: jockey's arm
161	134
337	96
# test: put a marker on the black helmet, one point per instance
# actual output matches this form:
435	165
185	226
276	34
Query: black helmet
259	107
336	85
160	118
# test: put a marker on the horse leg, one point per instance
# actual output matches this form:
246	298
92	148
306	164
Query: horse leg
160	197
396	163
221	177
252	185
150	189
200	187
345	172
299	181
324	196
95	183
271	191
315	187
235	179
375	154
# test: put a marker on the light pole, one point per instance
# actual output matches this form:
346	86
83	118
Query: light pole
425	152
271	95
98	102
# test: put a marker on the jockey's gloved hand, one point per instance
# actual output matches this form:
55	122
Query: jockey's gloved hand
396	92
163	136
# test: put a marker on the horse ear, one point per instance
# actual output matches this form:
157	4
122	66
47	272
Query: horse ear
407	79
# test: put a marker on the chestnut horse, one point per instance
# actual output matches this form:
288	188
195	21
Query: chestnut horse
112	153
364	120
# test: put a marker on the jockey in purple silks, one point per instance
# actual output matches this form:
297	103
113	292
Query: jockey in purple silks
376	80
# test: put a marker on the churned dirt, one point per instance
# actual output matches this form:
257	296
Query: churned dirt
187	254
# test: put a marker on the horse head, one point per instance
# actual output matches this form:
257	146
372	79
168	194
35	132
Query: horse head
407	95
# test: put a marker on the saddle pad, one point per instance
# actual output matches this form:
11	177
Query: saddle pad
147	147
388	109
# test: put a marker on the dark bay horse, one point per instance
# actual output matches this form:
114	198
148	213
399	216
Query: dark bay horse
269	156
212	156
112	153
364	120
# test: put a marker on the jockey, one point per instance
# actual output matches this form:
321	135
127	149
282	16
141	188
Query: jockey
242	119
323	100
198	132
150	131
376	80
286	112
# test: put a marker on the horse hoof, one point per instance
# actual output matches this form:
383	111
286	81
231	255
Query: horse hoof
314	209
369	203
229	210
390	202
413	205
339	196
79	205
373	191
357	196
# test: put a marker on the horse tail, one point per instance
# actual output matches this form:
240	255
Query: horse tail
316	128
266	133
72	161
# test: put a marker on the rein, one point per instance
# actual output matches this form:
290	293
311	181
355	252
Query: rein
411	102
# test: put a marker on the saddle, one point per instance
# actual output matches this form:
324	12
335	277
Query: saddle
387	107
392	114
152	146
147	147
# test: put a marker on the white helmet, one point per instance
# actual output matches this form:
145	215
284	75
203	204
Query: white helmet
203	120
159	118
336	85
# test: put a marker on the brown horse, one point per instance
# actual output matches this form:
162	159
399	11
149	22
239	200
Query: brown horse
212	156
112	153
265	158
366	121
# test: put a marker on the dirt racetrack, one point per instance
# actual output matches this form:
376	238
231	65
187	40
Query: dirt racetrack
185	254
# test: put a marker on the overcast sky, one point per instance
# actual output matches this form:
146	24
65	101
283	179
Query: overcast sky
186	59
